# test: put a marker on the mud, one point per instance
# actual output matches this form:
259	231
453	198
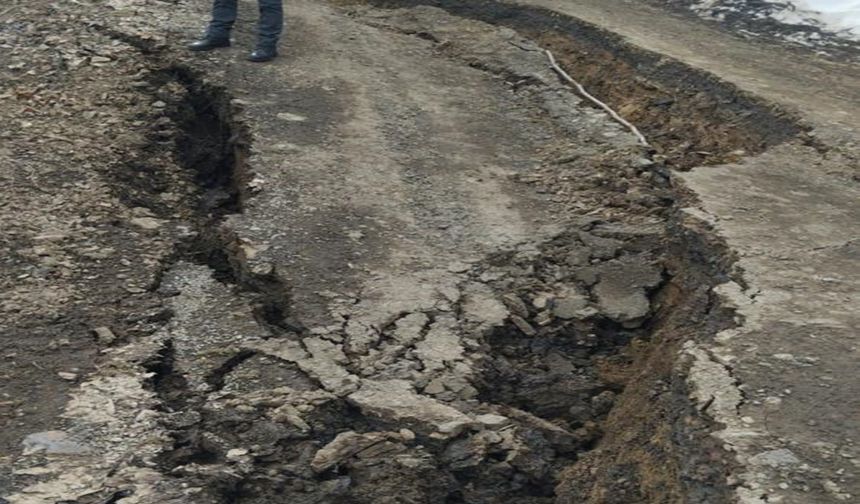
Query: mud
544	371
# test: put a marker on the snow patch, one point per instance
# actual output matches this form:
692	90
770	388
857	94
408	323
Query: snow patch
828	18
841	17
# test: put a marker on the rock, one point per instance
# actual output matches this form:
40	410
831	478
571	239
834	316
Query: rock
622	289
67	376
541	301
434	387
104	335
332	376
586	275
148	223
579	256
544	318
459	267
481	306
515	305
453	428
570	307
287	116
408	329
603	402
347	444
52	442
776	458
468	392
181	419
159	104
441	346
396	401
492	421
523	326
288	413
236	453
601	248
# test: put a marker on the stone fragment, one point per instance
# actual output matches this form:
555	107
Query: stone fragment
360	337
452	428
347	444
52	442
291	415
544	318
67	376
104	335
541	301
434	387
492	421
481	306
322	365
236	453
523	326
602	402
622	290
776	458
408	329
441	345
579	256
515	305
396	401
147	223
458	267
570	307
601	248
287	116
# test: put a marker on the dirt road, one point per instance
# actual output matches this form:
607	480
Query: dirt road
405	262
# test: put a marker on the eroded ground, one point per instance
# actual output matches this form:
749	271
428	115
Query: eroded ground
403	263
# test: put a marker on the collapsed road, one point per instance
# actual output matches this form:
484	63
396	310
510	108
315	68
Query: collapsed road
404	263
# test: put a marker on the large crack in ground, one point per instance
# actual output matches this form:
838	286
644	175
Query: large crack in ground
544	372
690	117
546	382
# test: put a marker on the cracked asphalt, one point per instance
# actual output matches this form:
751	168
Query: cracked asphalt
406	263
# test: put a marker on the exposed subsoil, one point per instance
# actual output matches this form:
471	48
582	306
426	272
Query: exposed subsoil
562	383
690	117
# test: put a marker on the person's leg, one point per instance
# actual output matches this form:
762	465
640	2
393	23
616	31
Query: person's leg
223	16
271	23
269	30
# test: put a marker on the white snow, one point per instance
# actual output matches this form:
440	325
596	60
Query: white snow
841	16
836	17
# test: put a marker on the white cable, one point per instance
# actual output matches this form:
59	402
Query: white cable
594	100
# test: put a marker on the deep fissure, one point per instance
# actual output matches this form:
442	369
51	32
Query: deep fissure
206	147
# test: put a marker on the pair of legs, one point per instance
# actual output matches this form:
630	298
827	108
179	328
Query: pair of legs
224	13
271	23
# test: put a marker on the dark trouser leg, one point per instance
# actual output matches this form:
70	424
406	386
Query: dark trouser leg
271	23
223	17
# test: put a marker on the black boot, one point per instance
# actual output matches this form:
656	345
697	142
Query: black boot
263	53
208	43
